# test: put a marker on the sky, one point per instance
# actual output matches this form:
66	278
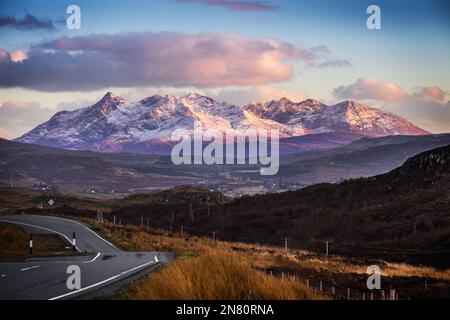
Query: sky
234	51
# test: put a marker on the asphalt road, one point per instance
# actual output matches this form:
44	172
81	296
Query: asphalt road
45	278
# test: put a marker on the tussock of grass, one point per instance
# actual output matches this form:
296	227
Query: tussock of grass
216	275
13	241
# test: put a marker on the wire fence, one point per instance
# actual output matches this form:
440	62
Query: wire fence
338	292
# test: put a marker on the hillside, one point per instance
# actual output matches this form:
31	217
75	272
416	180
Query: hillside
405	209
78	171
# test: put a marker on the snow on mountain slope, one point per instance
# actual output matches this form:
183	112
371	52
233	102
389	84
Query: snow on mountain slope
347	116
114	124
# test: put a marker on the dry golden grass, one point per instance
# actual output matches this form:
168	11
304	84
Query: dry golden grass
263	257
13	241
217	275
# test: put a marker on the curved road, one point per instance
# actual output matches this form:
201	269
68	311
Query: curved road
45	278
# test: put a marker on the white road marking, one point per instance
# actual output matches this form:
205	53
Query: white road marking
46	229
30	268
104	281
95	258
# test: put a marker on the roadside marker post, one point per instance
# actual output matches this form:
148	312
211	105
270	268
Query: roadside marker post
74	242
31	244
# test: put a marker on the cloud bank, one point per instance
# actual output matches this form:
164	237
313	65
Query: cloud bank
236	4
29	22
371	89
157	59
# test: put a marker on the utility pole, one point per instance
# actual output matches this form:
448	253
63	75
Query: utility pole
286	244
326	249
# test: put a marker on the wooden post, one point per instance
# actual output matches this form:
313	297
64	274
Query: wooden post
182	230
31	244
364	296
114	220
321	286
383	297
371	296
392	294
307	283
333	291
348	293
74	242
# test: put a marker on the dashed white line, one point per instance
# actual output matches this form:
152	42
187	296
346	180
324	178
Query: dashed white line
30	268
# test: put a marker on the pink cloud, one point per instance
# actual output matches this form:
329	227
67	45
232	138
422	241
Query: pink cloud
431	93
157	59
368	88
371	89
17	56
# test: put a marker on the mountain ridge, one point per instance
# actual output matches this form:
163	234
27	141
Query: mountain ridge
114	124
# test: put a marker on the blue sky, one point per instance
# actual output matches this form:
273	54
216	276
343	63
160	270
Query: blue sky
409	55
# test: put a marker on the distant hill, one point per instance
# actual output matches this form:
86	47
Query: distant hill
79	171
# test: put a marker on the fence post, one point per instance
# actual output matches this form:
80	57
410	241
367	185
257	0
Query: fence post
371	296
74	242
321	285
348	293
392	294
307	283
383	297
31	244
364	296
333	291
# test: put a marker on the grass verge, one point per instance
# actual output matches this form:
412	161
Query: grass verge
217	274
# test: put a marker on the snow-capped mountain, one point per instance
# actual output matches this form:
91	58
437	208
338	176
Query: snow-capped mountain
347	116
114	124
